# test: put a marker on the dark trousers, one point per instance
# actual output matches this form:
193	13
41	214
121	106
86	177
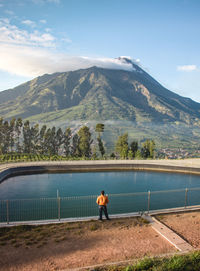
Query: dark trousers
103	208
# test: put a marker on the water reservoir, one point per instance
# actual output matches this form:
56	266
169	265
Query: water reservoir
62	195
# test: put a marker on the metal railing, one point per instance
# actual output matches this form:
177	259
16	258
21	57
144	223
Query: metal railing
85	206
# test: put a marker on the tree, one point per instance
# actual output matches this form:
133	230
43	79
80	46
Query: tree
85	141
99	129
12	133
134	147
47	142
101	147
94	152
42	147
6	137
75	146
58	140
35	137
66	141
148	148
18	130
130	154
121	146
152	148
27	137
52	141
138	154
113	156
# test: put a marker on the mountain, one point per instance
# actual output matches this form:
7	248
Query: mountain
98	94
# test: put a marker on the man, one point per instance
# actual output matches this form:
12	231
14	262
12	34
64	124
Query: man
102	201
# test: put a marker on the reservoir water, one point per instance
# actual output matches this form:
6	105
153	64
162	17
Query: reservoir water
91	183
34	197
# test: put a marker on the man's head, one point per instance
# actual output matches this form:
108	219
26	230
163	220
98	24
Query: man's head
102	192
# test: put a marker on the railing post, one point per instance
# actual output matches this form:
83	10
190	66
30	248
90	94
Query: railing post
59	208
186	192
7	210
149	197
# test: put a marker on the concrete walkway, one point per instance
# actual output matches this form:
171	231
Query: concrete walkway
168	234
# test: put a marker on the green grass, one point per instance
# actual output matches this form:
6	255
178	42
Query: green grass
187	262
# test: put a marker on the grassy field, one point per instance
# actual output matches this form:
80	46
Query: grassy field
188	262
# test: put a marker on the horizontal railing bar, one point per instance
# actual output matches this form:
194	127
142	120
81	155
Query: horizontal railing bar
80	197
110	195
128	194
193	188
168	191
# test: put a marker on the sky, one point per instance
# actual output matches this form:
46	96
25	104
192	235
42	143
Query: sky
47	36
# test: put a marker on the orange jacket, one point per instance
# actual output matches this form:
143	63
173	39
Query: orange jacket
102	200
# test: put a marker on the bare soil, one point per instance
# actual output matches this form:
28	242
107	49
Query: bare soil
187	225
72	245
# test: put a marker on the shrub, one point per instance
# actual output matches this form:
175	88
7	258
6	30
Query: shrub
144	264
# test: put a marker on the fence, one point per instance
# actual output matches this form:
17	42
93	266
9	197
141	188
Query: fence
85	206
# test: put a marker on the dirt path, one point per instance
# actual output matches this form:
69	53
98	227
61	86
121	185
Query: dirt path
187	225
62	246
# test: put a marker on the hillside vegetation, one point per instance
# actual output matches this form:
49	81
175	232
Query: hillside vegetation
126	101
97	94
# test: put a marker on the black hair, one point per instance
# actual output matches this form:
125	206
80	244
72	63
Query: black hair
102	192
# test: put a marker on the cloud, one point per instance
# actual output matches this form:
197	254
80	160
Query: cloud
43	21
29	23
9	12
24	60
53	1
187	68
34	53
48	29
11	34
67	40
4	20
46	1
28	61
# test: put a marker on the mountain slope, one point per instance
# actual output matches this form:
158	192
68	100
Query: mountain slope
98	94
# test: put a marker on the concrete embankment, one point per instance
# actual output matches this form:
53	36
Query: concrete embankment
191	166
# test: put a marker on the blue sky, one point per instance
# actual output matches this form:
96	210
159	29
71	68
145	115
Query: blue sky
45	36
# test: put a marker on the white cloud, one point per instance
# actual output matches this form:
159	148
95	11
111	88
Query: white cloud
29	61
29	23
43	39
11	34
43	21
128	57
53	1
46	1
33	53
48	29
5	20
24	60
9	12
187	68
67	40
